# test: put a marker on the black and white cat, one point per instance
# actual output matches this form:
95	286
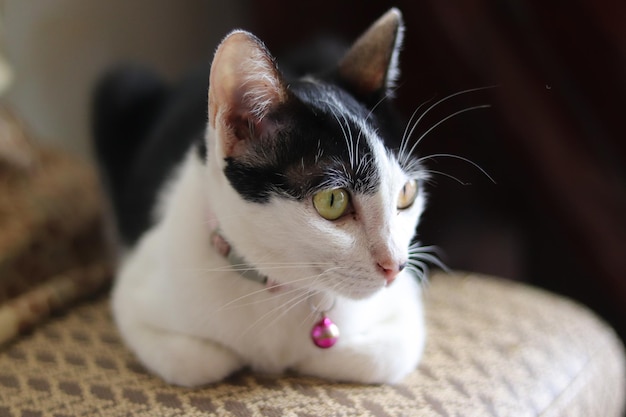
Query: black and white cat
277	237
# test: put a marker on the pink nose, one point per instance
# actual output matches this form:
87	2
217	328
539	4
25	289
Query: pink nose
390	270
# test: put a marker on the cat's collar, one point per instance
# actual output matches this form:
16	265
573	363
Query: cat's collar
238	264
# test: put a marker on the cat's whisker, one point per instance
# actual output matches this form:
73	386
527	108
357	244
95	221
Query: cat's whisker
271	266
283	311
405	156
361	160
294	302
313	312
417	247
352	150
268	266
443	100
452	177
266	289
353	157
405	135
428	254
316	276
348	140
430	260
440	122
289	304
309	293
235	304
419	271
320	151
415	164
469	161
388	94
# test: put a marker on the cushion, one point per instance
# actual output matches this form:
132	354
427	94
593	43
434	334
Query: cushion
495	348
52	245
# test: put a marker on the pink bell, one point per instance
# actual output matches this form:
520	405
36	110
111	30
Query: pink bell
325	333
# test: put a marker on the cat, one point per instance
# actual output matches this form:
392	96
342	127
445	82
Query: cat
270	226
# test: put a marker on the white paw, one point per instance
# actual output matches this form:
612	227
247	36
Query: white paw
183	360
370	363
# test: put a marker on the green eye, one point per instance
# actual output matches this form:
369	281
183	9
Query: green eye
407	195
331	204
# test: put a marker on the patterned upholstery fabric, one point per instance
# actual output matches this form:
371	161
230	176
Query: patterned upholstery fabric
495	348
52	246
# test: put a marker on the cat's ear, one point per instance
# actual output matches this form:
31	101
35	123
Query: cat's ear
245	86
371	65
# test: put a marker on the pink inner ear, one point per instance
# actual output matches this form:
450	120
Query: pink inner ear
245	84
244	129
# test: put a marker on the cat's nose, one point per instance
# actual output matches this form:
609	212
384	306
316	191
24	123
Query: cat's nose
391	269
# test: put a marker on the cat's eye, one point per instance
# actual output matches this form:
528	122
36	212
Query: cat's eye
331	204
407	195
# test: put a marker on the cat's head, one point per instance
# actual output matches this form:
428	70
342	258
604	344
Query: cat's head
306	178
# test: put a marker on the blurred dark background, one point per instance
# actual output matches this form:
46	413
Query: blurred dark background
554	138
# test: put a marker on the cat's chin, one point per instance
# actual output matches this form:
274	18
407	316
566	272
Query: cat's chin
350	293
358	293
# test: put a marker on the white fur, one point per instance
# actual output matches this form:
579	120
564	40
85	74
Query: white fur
393	72
192	321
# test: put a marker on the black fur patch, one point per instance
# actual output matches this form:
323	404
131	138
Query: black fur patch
143	128
314	151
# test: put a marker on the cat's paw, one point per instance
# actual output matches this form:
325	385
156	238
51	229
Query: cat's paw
368	362
183	360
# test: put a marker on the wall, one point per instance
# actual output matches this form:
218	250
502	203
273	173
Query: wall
58	48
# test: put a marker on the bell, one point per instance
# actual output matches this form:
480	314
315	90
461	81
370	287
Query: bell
325	333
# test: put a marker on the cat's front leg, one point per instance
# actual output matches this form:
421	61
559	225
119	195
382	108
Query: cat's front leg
363	364
384	351
386	354
178	358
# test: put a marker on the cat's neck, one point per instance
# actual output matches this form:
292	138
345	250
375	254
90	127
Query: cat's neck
237	262
220	244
